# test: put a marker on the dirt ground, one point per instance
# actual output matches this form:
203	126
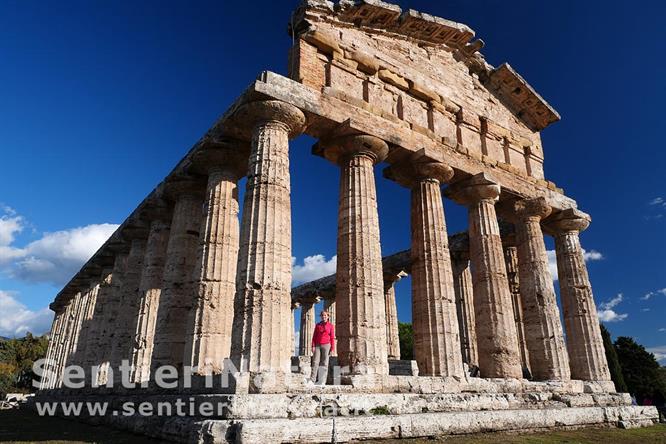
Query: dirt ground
24	426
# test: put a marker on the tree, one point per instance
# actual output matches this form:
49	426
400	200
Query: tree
406	335
613	362
16	359
641	371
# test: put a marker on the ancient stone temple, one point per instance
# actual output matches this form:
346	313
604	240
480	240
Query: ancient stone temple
186	283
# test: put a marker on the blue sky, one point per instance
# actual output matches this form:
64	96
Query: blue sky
101	99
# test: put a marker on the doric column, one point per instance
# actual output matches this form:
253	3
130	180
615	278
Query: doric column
392	332
294	307
261	336
112	309
462	285
361	312
584	343
129	299
511	261
541	316
86	322
54	337
499	356
150	288
307	328
329	306
77	313
94	351
209	326
176	297
63	345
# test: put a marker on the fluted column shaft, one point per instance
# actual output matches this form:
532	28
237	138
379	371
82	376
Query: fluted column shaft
261	327
176	297
78	309
112	307
541	316
150	288
497	340
307	328
436	333
211	321
56	331
462	285
129	305
86	325
584	342
361	310
511	260
95	349
63	345
392	333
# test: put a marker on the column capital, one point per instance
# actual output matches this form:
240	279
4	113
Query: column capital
411	173
264	111
177	187
156	209
228	156
339	149
135	229
567	220
536	208
474	189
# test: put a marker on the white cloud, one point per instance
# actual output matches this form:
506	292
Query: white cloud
654	293
10	225
55	257
588	256
297	340
313	268
645	309
606	312
659	353
16	319
613	302
657	201
662	329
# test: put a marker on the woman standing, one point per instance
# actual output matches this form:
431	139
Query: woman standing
323	343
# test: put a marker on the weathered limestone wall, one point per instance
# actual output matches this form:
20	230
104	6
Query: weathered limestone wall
427	87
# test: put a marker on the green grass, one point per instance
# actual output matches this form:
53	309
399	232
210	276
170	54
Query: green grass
647	435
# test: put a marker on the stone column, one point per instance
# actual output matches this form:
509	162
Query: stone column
77	317
294	307
261	337
361	312
63	345
128	312
392	332
47	383
584	342
308	323
209	326
111	311
462	285
176	297
150	288
86	324
436	332
329	306
511	260
497	340
541	316
94	352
